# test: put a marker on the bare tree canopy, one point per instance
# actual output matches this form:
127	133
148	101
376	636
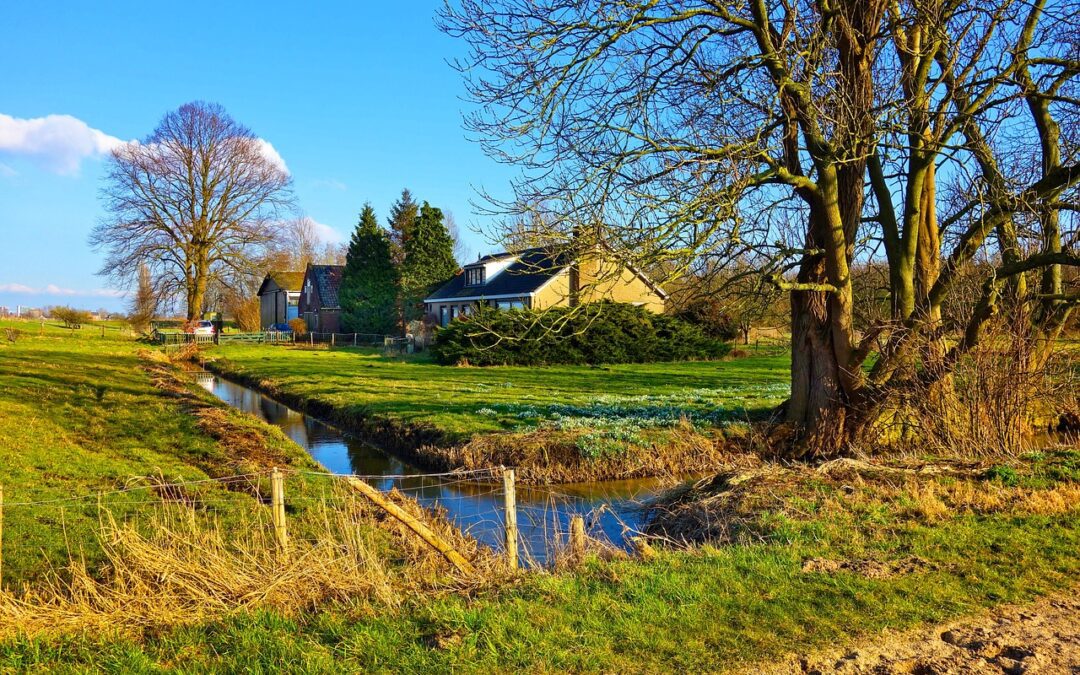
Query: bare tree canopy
299	243
196	202
802	136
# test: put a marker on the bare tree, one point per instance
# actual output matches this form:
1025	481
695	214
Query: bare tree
298	244
144	303
462	252
809	136
196	202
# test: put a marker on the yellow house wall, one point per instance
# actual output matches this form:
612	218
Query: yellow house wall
556	293
596	283
599	282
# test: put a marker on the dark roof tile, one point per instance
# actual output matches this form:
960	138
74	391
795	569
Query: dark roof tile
532	270
328	280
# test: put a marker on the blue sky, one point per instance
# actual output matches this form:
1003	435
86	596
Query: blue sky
356	97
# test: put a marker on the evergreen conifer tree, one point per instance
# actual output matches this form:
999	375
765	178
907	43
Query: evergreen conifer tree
369	284
428	260
403	215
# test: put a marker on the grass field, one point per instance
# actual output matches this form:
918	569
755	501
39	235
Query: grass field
80	415
712	609
464	401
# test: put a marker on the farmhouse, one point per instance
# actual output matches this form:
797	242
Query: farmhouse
538	278
279	298
319	305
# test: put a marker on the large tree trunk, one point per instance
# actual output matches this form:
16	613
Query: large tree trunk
824	384
817	407
196	287
827	384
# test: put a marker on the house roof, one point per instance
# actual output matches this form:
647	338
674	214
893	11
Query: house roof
533	268
327	279
289	281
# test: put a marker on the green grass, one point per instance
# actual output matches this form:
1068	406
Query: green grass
79	417
714	609
61	434
464	401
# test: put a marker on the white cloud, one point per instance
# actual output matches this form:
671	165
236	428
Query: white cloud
16	288
267	150
58	142
53	289
326	233
330	183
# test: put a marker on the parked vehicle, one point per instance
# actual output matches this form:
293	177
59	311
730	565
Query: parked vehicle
279	328
204	328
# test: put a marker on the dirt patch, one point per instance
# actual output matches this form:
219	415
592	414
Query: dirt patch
1043	637
871	569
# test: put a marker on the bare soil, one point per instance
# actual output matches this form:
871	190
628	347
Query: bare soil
1041	639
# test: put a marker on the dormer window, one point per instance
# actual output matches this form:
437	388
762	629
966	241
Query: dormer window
474	276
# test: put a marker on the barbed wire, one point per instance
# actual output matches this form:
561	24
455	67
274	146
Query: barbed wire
544	511
247	477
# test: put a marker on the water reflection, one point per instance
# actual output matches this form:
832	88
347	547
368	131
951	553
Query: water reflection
609	507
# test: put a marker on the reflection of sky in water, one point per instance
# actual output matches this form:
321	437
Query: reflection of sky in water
475	507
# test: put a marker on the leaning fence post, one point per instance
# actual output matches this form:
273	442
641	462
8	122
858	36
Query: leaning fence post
277	510
577	538
511	519
415	524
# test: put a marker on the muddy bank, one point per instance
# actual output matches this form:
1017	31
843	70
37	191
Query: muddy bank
1043	637
545	456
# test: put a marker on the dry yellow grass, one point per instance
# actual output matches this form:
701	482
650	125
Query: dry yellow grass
186	567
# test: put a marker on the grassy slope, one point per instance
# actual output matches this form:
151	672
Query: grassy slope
78	416
710	610
418	391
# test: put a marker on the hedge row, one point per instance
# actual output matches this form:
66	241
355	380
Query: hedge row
597	333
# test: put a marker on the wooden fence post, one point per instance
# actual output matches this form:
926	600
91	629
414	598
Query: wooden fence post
577	538
277	511
311	338
434	540
333	339
354	339
510	499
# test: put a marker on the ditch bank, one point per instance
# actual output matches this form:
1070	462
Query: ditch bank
540	457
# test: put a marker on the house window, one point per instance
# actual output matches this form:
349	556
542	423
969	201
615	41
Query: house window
443	315
453	312
514	303
474	276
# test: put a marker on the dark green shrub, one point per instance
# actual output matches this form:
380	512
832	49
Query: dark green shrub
597	333
710	315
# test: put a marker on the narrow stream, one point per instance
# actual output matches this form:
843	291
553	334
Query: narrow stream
608	507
